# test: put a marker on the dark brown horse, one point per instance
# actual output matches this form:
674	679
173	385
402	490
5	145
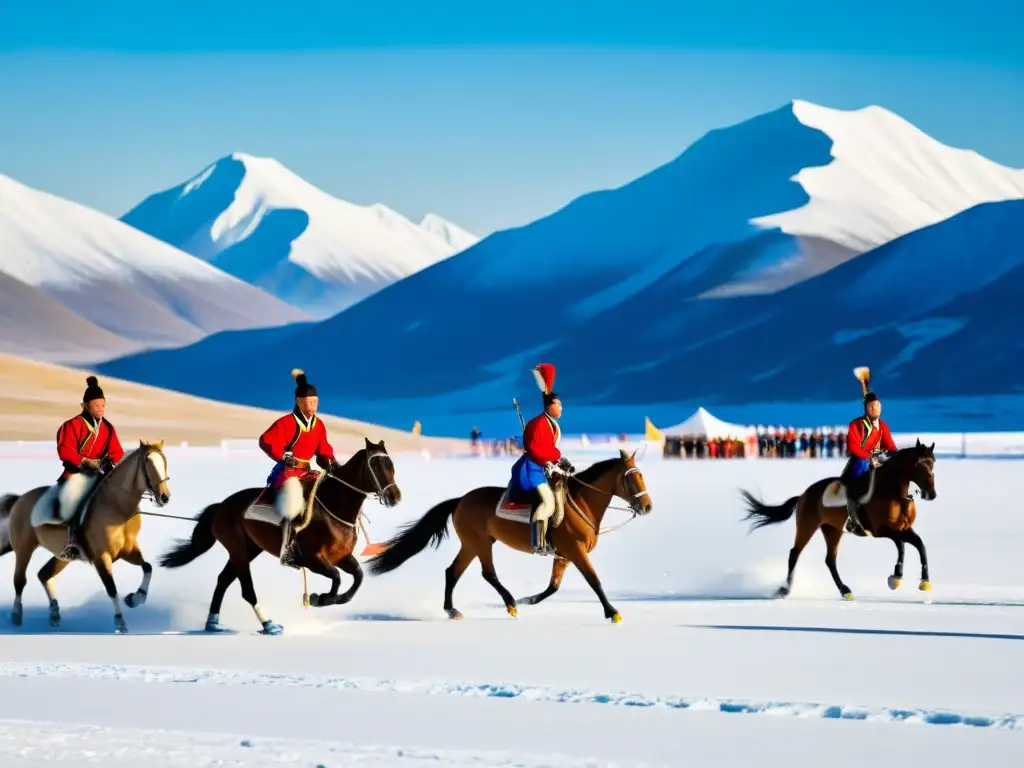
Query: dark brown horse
478	526
324	544
890	513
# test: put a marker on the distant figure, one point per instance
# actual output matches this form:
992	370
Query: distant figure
292	441
88	447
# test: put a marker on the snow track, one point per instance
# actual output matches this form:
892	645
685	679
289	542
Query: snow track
388	681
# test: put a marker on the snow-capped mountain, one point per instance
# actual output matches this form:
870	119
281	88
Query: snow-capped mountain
458	238
257	220
122	280
616	287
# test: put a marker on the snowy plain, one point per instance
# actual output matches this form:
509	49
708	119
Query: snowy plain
706	668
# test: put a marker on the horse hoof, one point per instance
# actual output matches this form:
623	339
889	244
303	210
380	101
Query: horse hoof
616	618
782	592
120	628
314	601
847	595
894	583
54	619
212	626
16	618
134	599
453	614
926	586
511	610
270	628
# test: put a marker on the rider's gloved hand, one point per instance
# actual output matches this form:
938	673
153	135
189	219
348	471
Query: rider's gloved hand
326	464
290	461
566	466
89	465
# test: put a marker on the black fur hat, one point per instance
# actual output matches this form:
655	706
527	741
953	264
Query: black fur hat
92	390
302	387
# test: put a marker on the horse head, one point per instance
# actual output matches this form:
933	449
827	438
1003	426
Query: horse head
633	489
917	465
376	471
147	466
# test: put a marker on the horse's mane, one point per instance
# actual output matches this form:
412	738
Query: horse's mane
597	470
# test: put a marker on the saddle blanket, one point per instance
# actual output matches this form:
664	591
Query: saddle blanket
834	495
517	512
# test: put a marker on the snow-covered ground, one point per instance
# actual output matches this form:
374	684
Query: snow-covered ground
703	670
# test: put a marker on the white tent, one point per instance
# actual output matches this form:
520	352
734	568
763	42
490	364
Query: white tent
703	424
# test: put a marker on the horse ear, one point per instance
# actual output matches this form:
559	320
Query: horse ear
932	449
623	455
160	445
381	444
918	444
142	443
633	455
368	443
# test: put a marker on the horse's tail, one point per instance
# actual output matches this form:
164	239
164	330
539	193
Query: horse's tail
185	551
6	505
414	538
763	515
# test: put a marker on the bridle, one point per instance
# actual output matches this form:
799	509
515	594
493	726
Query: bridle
150	492
380	489
630	496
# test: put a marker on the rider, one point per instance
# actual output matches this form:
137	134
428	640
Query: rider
87	445
540	441
292	441
868	441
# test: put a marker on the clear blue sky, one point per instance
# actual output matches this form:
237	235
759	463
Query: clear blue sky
490	114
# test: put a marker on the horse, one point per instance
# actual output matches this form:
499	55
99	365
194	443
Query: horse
323	545
890	513
109	532
478	526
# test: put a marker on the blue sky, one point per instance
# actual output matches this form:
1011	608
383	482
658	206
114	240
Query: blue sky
488	114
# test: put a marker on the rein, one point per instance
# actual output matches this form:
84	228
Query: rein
581	513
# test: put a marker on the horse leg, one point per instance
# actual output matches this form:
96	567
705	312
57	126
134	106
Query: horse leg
249	594
138	597
897	574
832	537
46	575
226	578
351	566
806	526
910	537
491	577
557	572
105	569
20	580
323	568
581	560
452	574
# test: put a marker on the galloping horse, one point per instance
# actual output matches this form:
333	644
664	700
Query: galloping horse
323	545
478	526
110	531
890	512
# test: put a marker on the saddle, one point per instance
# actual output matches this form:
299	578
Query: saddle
518	505
264	510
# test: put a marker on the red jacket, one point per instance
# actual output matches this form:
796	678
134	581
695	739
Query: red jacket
863	438
306	441
77	439
540	439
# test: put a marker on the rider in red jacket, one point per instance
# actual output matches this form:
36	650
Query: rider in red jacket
292	441
88	447
868	441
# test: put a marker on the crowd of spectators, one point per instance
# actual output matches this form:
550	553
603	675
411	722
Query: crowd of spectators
782	443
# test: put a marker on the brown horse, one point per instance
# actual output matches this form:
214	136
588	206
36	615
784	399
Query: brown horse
478	526
323	545
890	513
110	531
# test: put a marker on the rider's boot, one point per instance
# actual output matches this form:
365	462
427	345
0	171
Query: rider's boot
288	547
852	521
72	549
540	537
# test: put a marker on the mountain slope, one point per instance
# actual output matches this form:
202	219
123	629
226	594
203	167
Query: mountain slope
255	219
36	397
37	326
121	279
615	287
458	238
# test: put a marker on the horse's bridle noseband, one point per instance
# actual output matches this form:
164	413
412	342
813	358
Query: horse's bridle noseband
377	494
